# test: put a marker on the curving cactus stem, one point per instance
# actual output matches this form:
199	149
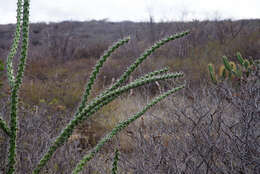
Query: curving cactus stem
115	162
226	64
212	74
222	72
232	73
240	58
228	69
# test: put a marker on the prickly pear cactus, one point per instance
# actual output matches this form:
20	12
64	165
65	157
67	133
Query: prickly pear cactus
244	70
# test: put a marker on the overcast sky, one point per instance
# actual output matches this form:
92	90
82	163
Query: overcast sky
135	10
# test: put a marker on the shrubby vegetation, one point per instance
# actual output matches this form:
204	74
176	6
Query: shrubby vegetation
210	127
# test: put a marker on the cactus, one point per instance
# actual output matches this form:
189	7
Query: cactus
86	109
115	162
227	64
232	70
222	72
212	73
240	58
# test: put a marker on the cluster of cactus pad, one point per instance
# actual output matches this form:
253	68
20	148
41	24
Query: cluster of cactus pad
232	71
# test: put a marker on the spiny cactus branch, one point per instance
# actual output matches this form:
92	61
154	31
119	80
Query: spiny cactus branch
147	53
14	47
15	89
120	127
4	127
108	100
154	73
240	58
226	63
88	111
212	74
115	162
138	82
96	70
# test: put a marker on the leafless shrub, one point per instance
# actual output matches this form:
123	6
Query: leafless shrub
202	132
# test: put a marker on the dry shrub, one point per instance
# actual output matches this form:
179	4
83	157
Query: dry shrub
93	50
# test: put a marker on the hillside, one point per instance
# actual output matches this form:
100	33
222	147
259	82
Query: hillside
70	40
